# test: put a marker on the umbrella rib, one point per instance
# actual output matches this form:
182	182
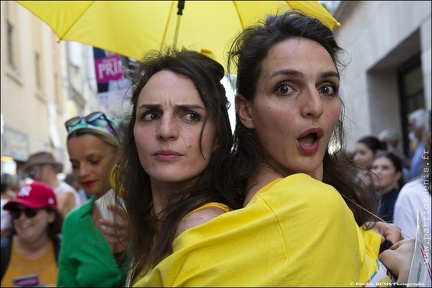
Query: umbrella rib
238	14
329	16
76	20
166	26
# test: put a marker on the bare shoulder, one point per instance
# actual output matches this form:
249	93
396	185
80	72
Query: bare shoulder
198	217
66	194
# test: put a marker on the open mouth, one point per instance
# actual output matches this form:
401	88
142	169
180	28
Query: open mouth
309	139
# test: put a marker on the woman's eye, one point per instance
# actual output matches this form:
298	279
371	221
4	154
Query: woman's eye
329	90
193	116
284	89
149	116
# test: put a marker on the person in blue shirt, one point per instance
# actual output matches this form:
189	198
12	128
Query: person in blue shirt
417	125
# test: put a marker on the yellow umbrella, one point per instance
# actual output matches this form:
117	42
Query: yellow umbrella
131	28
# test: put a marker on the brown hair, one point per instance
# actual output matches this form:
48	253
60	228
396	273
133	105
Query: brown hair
152	235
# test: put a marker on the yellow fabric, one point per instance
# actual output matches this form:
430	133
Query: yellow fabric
221	206
370	272
45	267
371	241
131	28
295	231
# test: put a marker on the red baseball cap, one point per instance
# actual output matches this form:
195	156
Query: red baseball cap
35	195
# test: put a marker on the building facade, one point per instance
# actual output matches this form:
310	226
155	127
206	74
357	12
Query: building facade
388	55
43	83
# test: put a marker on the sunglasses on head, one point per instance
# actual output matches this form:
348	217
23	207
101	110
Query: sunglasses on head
91	118
29	212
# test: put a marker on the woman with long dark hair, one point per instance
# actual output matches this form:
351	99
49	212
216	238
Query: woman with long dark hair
176	141
294	228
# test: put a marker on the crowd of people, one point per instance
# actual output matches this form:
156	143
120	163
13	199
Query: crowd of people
173	198
388	171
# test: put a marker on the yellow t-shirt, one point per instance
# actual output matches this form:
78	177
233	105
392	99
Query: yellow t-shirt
295	231
41	271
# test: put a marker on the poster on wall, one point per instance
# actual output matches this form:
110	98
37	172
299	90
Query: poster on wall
113	86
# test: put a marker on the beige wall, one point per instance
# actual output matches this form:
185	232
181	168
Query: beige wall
35	104
378	37
25	104
34	114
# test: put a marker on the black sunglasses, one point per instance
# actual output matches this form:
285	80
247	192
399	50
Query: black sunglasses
29	212
91	118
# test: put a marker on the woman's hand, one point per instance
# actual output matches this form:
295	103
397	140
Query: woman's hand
116	232
398	258
388	232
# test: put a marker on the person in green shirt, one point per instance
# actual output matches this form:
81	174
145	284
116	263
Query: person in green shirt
93	248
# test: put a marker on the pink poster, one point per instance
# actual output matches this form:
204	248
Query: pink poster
108	68
112	85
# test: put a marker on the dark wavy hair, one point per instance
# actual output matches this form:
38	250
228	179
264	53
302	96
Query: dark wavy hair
397	163
373	143
152	235
247	54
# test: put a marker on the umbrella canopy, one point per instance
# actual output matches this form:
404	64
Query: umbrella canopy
131	28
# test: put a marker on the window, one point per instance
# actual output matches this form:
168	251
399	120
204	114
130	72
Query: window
57	95
10	45
411	92
38	71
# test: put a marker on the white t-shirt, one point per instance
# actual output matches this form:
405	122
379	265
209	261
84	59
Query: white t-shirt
64	187
5	217
412	198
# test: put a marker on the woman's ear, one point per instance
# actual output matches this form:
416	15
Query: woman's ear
216	146
398	176
243	110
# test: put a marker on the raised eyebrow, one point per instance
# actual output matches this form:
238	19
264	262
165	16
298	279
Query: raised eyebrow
286	72
298	74
330	74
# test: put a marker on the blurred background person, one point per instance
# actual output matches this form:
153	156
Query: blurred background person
29	252
70	179
388	170
415	196
9	187
43	167
365	149
418	123
92	252
391	138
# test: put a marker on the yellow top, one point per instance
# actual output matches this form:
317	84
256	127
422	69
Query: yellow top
40	272
295	231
